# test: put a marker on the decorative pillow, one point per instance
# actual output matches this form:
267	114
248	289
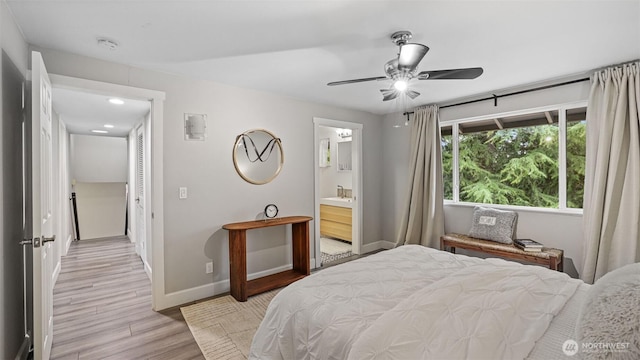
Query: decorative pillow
493	224
610	315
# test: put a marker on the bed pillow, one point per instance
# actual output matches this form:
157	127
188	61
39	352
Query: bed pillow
610	314
493	224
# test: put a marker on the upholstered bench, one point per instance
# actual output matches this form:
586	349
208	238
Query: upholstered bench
553	258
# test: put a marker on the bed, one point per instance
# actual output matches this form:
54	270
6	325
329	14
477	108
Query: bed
415	302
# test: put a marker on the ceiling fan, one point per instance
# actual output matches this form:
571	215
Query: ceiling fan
404	68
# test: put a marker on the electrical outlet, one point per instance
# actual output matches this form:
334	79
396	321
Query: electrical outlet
183	193
209	268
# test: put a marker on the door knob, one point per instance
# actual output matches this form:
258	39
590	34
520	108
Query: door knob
47	239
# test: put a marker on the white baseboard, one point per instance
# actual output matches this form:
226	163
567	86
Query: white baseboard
219	287
382	244
67	244
56	273
147	269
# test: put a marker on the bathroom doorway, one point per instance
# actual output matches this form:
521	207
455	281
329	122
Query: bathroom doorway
338	188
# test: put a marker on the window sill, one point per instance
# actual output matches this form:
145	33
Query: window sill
573	212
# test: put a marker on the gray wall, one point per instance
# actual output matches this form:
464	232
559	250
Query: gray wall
13	64
217	195
559	230
101	209
98	158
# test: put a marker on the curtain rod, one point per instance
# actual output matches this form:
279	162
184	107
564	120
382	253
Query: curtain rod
495	97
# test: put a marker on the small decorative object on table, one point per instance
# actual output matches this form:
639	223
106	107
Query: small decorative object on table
528	244
271	211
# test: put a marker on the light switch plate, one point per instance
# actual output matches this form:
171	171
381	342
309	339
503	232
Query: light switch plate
183	193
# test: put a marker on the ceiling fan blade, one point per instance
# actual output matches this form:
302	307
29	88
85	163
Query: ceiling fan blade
389	94
412	94
466	73
343	82
410	56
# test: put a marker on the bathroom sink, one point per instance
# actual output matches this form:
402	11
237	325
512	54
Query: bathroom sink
337	201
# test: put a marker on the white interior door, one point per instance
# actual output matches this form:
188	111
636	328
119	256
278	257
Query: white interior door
139	194
42	207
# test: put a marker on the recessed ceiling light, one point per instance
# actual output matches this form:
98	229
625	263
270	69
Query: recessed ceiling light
116	101
107	44
108	126
100	131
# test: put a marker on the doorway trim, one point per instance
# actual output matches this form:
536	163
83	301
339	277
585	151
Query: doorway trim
356	186
154	213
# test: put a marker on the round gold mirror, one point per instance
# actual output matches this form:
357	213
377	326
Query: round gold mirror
258	156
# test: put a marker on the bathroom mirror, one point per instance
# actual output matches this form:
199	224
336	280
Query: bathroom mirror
344	156
258	156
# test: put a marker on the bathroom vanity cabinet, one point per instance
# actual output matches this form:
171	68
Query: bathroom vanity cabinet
335	222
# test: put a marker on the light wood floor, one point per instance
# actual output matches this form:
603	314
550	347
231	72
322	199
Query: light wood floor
102	308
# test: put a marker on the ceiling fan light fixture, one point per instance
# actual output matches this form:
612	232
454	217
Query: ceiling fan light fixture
401	85
403	68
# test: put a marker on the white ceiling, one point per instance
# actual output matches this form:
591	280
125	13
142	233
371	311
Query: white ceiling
295	47
83	112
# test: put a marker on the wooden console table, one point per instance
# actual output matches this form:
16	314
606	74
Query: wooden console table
240	287
550	257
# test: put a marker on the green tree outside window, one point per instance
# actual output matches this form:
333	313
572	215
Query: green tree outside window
516	166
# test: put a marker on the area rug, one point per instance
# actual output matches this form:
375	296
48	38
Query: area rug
224	327
332	250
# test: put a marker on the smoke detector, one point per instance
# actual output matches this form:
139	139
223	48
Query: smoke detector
107	44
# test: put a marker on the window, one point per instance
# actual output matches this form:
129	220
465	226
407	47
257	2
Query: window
518	160
447	164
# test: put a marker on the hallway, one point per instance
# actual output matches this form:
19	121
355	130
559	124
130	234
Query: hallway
102	308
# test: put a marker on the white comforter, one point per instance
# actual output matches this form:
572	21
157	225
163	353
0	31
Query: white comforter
413	302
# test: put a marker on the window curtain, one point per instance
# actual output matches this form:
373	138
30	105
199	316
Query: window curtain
423	218
612	174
